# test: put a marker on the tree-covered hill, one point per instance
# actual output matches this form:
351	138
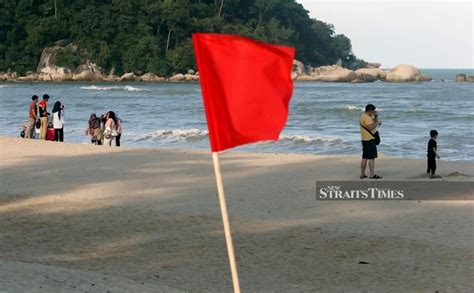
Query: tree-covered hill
155	35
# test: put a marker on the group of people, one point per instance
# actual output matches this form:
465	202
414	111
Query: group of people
41	124
105	130
369	122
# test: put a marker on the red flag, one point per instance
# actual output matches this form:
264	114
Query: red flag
246	86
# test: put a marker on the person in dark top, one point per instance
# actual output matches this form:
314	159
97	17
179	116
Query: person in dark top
43	113
432	154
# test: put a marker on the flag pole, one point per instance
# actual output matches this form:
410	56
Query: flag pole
225	221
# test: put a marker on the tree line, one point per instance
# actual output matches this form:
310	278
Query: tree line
155	35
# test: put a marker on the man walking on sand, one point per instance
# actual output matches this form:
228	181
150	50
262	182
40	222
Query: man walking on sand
33	115
368	123
43	113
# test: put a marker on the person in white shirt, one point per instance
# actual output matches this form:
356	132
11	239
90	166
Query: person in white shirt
58	121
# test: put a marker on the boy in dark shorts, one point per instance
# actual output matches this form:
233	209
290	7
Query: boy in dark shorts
432	154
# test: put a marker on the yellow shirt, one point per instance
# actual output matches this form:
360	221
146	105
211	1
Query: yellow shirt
366	120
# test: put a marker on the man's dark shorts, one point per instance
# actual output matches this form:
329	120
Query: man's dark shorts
369	149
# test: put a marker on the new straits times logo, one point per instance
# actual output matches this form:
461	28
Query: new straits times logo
371	193
394	190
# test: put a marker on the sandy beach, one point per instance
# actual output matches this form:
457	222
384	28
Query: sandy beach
87	218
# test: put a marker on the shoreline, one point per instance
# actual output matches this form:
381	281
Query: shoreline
238	152
151	219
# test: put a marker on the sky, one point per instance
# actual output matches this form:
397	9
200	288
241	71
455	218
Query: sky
423	33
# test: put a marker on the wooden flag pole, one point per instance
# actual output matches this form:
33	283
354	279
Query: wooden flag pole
225	221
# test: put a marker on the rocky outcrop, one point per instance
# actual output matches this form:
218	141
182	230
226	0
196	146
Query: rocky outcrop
88	72
177	78
130	76
48	70
363	77
470	78
333	73
406	73
150	76
461	77
298	68
376	73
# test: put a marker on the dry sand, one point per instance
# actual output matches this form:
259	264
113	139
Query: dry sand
88	218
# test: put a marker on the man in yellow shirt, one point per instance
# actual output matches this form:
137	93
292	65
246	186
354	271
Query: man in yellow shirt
368	123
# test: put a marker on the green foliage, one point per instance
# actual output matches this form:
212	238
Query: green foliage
155	35
68	57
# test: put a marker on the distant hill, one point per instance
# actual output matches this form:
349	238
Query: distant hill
155	36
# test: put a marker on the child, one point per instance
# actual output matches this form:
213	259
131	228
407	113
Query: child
432	154
37	129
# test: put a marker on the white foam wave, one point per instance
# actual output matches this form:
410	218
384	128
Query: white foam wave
109	88
174	134
310	139
132	89
353	108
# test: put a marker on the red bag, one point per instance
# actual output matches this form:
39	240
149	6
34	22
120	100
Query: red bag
50	134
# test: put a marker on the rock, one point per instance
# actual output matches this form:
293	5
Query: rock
8	76
177	78
470	78
305	78
333	73
364	77
376	73
294	75
47	66
111	77
406	73
460	77
130	76
190	71
298	68
148	77
191	77
62	43
30	76
373	65
88	72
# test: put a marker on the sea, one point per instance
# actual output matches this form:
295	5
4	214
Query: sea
323	117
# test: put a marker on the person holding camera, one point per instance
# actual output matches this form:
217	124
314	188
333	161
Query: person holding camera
368	123
58	121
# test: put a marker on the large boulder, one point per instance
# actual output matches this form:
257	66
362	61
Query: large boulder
177	78
406	73
460	77
333	73
470	78
191	77
364	77
298	68
376	73
130	76
150	76
47	66
88	72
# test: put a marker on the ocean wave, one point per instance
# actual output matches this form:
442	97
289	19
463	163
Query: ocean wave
111	88
197	135
353	108
311	139
174	134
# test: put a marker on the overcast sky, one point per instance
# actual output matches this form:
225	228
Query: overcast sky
424	33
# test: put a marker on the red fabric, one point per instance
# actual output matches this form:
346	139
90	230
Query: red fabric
246	86
50	135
